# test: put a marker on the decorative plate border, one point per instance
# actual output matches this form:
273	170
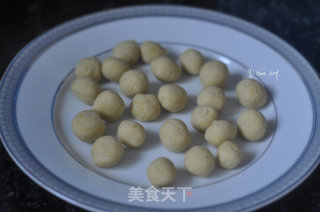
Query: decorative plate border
23	157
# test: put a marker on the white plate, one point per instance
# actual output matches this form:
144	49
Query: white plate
36	109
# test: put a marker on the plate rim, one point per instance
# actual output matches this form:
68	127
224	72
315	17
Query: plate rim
31	167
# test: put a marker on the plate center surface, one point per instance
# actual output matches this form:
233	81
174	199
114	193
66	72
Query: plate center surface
132	167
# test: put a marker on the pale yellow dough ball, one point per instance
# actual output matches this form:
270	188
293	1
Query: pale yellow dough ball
213	96
88	125
219	132
131	133
252	125
128	51
203	116
199	161
165	69
89	67
214	73
174	135
172	97
251	94
85	89
145	107
133	82
161	172
191	60
110	105
151	50
229	155
113	68
106	151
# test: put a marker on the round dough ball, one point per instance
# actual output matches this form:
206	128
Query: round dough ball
252	125
85	89
89	67
174	135
229	155
251	94
88	125
191	61
113	68
213	96
172	97
214	73
110	105
203	116
133	82
145	107
161	172
199	161
106	151
165	69
151	50
128	51
219	132
131	133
